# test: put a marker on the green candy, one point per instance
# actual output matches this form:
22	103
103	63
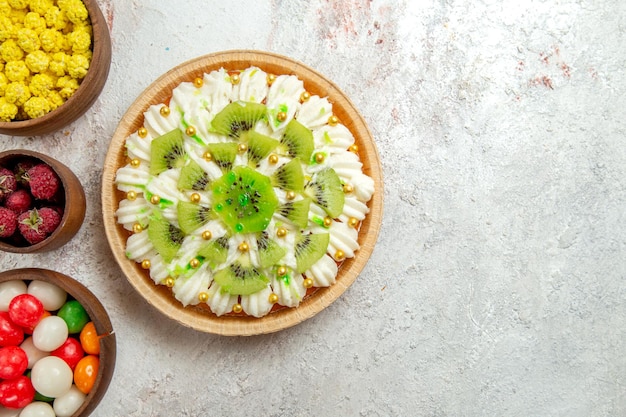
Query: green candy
74	315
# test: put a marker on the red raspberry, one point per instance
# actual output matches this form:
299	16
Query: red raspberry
21	168
44	182
30	225
8	184
19	201
50	219
8	222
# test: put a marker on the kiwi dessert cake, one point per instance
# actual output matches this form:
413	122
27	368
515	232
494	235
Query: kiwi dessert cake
243	192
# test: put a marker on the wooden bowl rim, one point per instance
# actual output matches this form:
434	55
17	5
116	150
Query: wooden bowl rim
97	314
159	296
101	55
78	202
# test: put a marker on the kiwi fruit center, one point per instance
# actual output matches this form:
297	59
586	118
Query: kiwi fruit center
244	200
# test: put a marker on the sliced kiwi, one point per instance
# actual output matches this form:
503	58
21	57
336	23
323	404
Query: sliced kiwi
309	249
215	250
289	176
223	154
298	140
193	177
270	252
238	117
327	192
165	237
244	200
241	278
167	152
192	216
297	212
259	146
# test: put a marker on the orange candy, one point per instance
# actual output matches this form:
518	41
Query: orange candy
89	339
86	372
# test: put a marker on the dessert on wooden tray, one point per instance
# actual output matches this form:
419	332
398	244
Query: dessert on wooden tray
243	192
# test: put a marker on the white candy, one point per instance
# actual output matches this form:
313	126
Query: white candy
32	352
51	296
50	333
68	403
10	289
37	409
52	377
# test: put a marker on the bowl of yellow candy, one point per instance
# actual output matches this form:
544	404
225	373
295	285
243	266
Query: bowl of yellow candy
55	57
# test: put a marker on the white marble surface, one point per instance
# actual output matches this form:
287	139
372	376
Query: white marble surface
497	287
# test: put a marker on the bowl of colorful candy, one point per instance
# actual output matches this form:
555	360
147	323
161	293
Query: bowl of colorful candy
57	346
57	58
42	202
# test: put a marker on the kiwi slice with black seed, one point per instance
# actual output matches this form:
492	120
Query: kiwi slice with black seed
244	200
238	117
289	176
192	216
297	212
259	146
223	154
193	177
165	237
270	252
167	152
309	249
327	192
215	250
241	278
298	140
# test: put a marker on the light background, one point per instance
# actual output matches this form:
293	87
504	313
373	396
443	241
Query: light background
497	286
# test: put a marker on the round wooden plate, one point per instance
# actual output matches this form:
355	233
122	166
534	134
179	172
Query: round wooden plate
159	295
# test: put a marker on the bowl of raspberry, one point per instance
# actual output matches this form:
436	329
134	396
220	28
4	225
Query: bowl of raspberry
42	202
54	77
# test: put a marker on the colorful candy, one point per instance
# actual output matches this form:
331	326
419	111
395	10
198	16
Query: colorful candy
74	315
32	352
52	296
86	372
10	333
37	409
51	376
13	362
17	392
25	310
89	339
68	403
51	372
50	333
70	351
8	291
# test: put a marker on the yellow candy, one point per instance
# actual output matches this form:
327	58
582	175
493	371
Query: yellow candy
36	107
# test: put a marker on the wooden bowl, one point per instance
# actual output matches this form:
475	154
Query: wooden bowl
97	314
160	296
73	202
87	93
